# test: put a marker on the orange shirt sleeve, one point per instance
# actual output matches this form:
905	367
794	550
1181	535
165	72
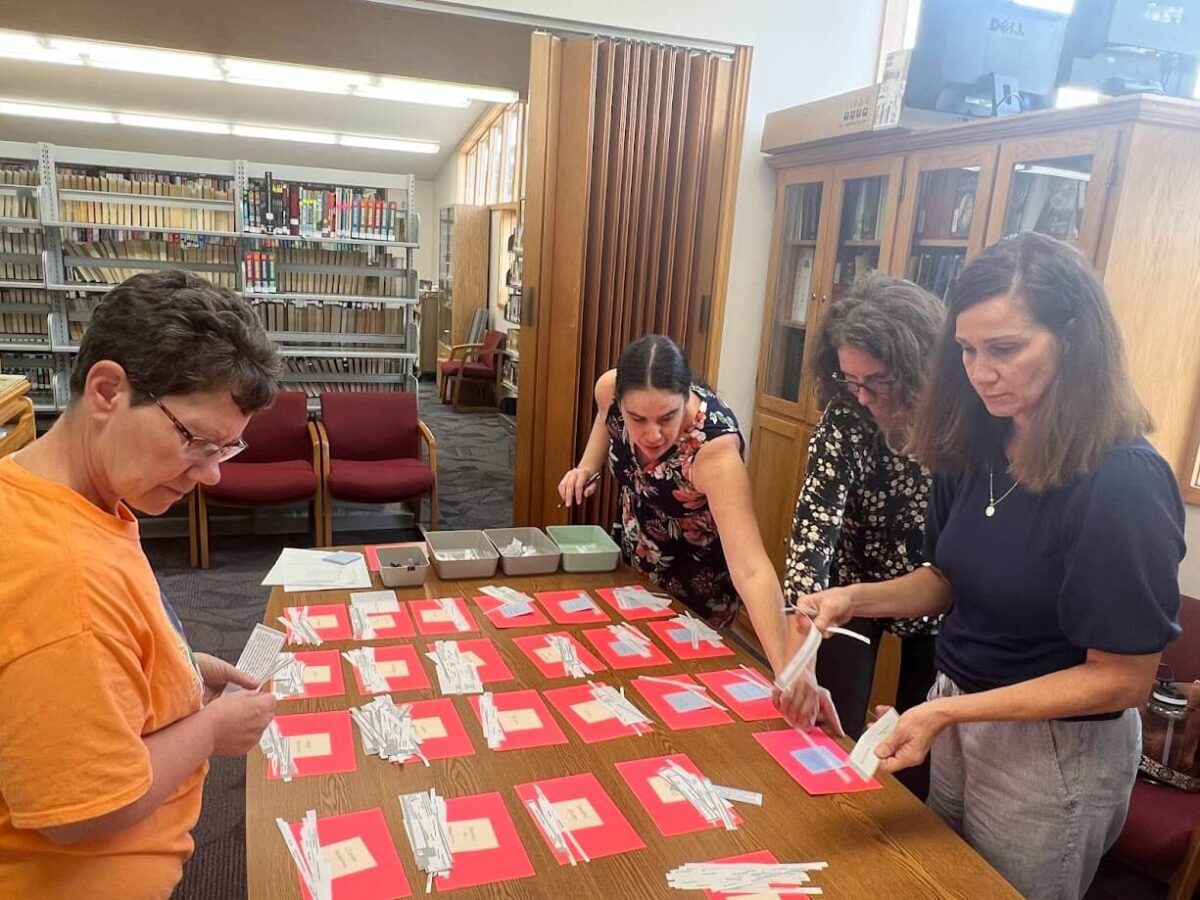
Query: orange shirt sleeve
71	746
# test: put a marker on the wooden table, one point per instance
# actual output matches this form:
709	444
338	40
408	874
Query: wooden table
879	844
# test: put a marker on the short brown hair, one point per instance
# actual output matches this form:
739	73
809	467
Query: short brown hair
1089	406
891	318
176	333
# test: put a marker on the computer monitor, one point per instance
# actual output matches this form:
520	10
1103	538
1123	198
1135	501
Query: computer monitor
985	57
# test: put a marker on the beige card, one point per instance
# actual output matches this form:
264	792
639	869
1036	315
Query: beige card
381	621
429	729
317	674
436	615
665	792
519	720
577	814
348	857
593	711
392	668
472	658
548	655
472	834
319	622
306	745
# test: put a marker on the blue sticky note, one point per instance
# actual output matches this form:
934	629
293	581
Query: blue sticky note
817	759
578	604
622	649
686	701
342	557
680	635
748	691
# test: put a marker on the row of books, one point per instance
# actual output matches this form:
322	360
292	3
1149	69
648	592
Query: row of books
947	204
803	213
935	271
213	252
310	370
328	212
80	305
147	215
22	205
21	243
38	368
861	209
332	318
270	272
16	326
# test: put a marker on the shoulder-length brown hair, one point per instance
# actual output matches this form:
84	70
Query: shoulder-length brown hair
1090	404
891	318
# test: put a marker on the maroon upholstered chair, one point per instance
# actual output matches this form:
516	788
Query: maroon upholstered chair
478	363
282	464
371	446
1161	836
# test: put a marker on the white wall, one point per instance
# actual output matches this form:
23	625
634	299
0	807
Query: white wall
445	193
426	255
803	50
1189	574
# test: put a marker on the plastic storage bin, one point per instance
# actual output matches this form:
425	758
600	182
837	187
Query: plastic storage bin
543	562
471	554
585	548
402	566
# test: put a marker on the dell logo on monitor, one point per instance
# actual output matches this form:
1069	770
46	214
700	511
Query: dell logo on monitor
1007	26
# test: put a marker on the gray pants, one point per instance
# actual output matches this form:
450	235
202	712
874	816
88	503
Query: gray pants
1040	801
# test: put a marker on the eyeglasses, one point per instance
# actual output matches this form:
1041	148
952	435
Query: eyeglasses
201	449
873	385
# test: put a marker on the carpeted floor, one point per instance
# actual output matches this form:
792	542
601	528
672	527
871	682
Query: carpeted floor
220	606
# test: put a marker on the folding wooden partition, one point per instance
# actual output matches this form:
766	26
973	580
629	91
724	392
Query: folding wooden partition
633	151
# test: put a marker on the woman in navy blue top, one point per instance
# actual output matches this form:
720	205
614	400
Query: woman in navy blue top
1054	535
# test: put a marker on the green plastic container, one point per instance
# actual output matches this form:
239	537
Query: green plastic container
585	548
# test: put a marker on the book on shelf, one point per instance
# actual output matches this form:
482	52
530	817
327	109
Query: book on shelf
32	326
936	270
37	367
304	374
802	285
299	317
79	312
21	205
861	209
122	254
323	211
273	271
851	266
804	213
21	243
99	211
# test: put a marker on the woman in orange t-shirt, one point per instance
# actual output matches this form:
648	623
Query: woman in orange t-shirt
109	718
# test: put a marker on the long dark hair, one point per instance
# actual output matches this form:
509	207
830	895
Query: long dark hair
1090	404
653	361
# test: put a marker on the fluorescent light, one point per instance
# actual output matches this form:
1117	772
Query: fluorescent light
378	143
200	126
259	73
66	113
1070	97
284	134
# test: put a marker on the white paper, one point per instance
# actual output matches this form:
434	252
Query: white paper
863	757
259	655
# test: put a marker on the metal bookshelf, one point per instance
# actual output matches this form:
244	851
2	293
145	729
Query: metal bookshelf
395	349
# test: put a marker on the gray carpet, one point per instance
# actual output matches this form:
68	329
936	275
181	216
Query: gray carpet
220	606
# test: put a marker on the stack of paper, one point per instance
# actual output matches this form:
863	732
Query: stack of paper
746	878
796	665
363	605
639	598
388	730
631	639
260	656
318	570
617	703
863	757
456	674
288	681
314	868
489	718
278	751
428	835
363	659
451	612
558	834
299	629
565	648
701	793
516	548
697	630
515	603
456	555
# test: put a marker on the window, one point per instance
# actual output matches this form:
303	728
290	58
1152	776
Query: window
494	161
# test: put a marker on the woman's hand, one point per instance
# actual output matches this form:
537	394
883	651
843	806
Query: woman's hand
910	740
216	673
806	704
827	608
575	487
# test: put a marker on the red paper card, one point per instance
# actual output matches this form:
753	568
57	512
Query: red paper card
322	743
644	612
441	730
484	842
681	645
400	665
679	707
589	717
525	719
491	608
361	855
330	621
569	607
610	647
322	675
432	619
389	625
765	857
484	651
583	806
371	552
743	692
541	654
670	810
817	763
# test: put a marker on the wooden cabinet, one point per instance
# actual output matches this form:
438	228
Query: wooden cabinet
1119	180
462	270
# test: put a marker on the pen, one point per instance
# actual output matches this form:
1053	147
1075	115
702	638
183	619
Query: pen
591	480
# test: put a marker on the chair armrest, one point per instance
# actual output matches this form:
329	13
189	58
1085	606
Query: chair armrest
322	446
454	351
431	444
317	444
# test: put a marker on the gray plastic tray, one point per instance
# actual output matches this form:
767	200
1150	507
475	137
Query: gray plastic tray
585	548
543	562
402	566
481	564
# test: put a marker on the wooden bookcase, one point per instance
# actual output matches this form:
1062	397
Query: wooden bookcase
463	271
1118	180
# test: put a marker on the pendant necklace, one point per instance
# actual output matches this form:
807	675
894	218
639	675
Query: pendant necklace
990	509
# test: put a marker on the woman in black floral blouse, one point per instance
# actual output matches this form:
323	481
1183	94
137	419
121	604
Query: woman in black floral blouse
687	517
861	513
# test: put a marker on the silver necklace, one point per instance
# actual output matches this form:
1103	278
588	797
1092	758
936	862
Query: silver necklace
990	509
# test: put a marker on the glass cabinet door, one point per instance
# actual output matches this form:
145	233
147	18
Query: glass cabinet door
795	288
860	230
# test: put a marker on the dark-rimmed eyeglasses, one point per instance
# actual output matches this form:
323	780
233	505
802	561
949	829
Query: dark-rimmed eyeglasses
873	386
197	448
